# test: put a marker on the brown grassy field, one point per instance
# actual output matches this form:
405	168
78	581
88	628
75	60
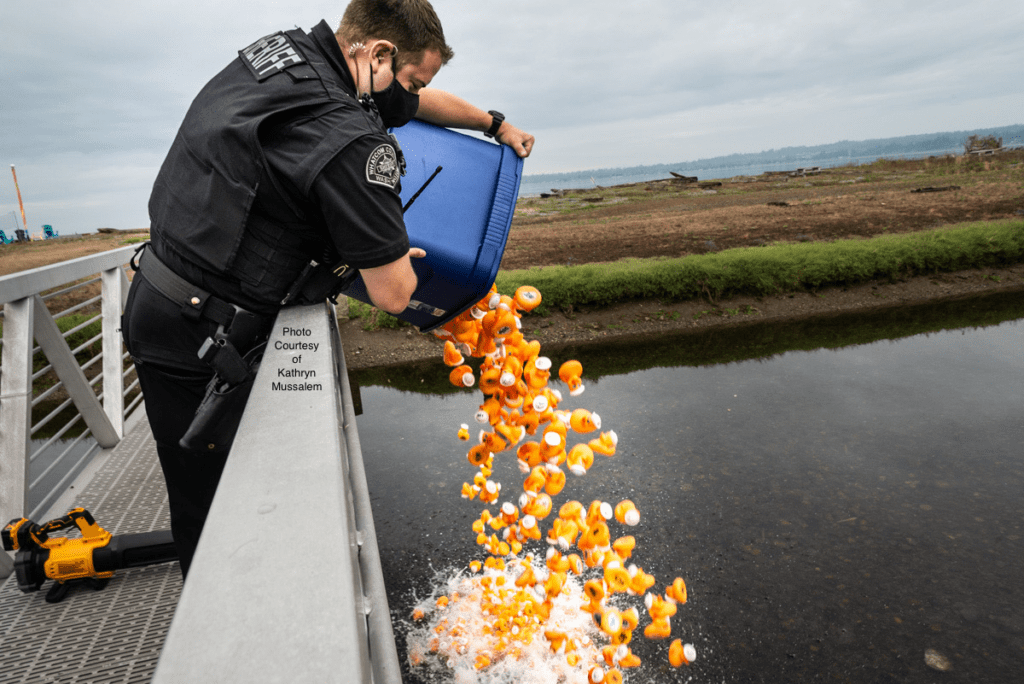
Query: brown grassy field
24	256
673	219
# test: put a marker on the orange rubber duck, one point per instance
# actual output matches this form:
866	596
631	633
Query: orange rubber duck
659	608
641	582
529	528
580	459
629	660
539	506
616	577
597	512
605	443
623	546
479	455
595	536
583	421
536	372
511	371
493	441
529	452
680	654
570	373
490	412
527	298
498	323
609	620
630	619
537	478
556	481
511	433
658	629
489	379
677	592
452	356
461	376
626	513
571	510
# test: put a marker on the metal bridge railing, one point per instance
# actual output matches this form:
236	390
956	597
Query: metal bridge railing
92	393
286	584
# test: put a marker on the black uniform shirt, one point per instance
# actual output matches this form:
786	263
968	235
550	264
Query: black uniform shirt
350	211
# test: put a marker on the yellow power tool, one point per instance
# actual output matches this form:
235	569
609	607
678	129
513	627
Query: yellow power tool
90	559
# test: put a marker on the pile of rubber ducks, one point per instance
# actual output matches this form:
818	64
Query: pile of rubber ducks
521	598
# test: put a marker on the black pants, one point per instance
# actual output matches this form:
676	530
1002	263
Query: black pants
163	344
172	397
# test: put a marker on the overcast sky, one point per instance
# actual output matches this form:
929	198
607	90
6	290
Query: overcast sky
92	92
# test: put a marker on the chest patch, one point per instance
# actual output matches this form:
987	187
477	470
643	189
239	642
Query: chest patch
270	55
382	166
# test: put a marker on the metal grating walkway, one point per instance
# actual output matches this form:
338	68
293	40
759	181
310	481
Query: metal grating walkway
109	636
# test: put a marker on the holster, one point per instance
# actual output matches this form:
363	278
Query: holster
320	281
216	420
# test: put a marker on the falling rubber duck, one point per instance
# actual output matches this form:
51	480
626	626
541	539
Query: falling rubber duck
569	373
583	421
580	459
605	444
527	298
462	376
452	356
680	654
677	592
626	513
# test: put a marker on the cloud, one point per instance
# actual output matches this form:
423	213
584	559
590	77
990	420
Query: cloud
94	91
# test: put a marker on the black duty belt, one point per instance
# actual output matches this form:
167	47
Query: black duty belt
238	330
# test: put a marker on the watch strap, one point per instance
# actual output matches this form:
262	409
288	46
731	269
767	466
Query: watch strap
496	120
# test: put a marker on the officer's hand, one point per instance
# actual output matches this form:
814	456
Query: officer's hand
518	140
417	253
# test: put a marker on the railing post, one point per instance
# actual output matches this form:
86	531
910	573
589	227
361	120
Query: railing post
113	383
15	408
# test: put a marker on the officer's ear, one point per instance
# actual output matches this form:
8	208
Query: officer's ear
382	52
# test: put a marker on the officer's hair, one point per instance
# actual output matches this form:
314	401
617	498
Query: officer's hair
412	25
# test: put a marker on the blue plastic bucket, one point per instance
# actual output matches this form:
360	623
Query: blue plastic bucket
461	219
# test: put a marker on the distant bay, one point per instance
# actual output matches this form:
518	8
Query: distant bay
841	153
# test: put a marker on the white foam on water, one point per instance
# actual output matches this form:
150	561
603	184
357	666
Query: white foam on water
437	652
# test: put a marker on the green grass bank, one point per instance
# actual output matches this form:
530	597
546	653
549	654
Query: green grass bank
759	271
773	269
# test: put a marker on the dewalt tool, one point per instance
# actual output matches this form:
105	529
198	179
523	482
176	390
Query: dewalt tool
90	560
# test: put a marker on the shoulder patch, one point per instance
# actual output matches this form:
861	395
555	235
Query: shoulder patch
382	166
271	55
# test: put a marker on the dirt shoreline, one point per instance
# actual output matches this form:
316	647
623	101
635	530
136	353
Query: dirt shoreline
397	346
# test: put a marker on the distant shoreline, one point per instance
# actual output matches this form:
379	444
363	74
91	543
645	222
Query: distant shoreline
533	188
827	155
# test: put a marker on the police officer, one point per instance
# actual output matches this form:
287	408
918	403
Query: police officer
282	158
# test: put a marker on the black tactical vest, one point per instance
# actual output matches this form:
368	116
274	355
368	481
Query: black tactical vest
202	196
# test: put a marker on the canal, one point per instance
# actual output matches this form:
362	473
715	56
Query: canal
844	497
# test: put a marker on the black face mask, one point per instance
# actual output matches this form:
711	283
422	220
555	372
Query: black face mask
396	105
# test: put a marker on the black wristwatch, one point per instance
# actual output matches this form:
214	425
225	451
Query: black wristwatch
496	119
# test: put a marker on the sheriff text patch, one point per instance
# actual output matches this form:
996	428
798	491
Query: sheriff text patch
270	54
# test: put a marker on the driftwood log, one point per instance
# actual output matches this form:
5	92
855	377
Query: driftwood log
942	188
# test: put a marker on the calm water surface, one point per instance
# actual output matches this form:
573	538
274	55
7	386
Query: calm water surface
836	514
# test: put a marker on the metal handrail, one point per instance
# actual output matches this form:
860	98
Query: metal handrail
286	584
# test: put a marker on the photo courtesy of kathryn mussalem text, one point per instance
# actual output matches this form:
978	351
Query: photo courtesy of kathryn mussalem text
293	377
